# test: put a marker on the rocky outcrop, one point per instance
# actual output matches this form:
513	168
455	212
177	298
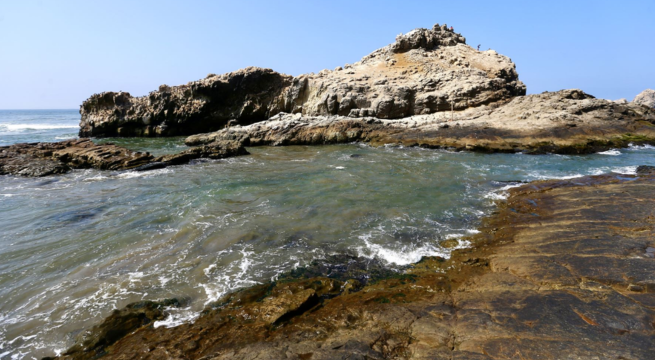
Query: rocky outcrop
42	159
567	121
92	344
554	273
646	98
422	72
250	94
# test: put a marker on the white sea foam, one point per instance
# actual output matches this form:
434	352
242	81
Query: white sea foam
399	257
500	194
128	175
613	152
339	167
227	280
136	174
96	178
22	127
626	170
537	175
640	147
177	317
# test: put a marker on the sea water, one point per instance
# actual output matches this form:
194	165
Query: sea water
74	247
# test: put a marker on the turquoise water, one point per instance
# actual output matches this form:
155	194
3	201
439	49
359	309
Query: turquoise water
76	246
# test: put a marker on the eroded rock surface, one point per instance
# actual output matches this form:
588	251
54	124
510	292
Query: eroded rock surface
646	97
565	269
567	121
42	159
92	343
422	72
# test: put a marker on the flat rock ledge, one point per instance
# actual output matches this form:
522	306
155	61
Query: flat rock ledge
43	159
566	121
565	269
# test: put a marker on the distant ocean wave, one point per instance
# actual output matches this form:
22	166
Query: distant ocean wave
27	127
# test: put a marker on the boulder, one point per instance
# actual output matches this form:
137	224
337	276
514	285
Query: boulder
646	97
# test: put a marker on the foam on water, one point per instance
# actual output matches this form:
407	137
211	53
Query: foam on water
613	152
92	241
24	127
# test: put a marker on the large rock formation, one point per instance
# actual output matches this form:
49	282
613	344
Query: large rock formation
646	97
423	72
555	273
567	121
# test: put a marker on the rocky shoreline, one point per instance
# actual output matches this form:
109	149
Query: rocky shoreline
565	122
563	269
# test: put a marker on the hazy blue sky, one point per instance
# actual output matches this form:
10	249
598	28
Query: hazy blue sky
54	54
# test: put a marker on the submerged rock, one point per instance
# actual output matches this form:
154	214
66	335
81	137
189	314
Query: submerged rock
422	72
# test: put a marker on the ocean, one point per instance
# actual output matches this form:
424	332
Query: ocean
74	247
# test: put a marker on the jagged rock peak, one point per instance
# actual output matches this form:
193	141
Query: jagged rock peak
427	39
646	97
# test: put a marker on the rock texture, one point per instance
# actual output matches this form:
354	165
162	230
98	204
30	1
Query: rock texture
42	159
556	273
422	72
646	97
92	343
567	121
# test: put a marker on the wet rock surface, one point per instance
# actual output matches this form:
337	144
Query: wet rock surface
92	343
563	269
567	121
422	72
43	159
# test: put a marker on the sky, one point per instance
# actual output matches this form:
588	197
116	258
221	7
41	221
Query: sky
55	54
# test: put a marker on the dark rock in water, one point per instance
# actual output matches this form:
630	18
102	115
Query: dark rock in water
76	216
645	169
343	267
42	159
93	343
214	150
152	166
47	182
356	156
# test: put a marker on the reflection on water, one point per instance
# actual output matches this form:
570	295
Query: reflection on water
76	246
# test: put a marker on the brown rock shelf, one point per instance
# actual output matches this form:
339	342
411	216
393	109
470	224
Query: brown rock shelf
564	269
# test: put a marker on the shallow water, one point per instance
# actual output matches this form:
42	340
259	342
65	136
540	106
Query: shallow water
76	246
